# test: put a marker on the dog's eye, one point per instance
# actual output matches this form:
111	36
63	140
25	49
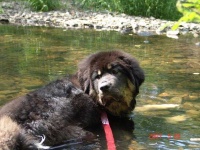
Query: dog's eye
98	76
95	75
115	71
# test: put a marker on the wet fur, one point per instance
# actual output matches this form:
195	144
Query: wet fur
103	68
62	109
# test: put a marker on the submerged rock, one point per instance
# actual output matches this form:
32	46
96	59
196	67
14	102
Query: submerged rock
176	119
188	105
156	107
175	100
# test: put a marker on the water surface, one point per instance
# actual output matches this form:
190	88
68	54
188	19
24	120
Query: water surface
31	57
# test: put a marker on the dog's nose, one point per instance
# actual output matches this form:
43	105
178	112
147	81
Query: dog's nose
105	86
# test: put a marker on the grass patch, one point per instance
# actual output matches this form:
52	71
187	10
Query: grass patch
45	5
163	9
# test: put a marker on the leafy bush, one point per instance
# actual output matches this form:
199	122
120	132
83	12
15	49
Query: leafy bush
44	5
190	10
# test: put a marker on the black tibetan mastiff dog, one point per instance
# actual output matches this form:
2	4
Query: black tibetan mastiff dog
63	109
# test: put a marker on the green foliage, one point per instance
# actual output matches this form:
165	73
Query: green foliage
163	9
111	5
44	5
190	10
1	10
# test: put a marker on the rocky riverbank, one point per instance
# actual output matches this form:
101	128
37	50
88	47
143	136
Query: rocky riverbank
17	13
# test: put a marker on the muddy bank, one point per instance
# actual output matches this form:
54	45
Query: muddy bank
19	14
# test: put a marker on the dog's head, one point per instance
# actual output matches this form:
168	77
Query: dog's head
112	79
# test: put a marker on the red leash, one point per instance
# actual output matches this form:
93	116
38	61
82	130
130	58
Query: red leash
108	132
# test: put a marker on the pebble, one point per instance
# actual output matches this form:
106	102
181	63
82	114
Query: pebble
197	44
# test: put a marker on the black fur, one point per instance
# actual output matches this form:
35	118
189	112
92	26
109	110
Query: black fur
58	111
62	110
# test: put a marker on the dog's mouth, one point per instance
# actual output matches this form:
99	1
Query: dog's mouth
114	105
109	99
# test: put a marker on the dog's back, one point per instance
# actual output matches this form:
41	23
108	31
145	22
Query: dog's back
49	115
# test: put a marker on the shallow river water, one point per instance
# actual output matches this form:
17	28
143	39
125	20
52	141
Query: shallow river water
167	115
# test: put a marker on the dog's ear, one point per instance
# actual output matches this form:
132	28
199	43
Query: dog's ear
133	70
84	75
84	79
86	82
138	75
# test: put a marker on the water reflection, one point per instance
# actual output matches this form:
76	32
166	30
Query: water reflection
31	57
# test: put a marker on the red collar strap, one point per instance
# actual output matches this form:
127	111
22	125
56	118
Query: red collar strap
108	132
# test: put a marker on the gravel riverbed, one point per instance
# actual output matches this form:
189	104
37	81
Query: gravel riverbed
19	14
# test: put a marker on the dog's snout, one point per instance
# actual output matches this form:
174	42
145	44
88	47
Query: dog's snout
104	86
